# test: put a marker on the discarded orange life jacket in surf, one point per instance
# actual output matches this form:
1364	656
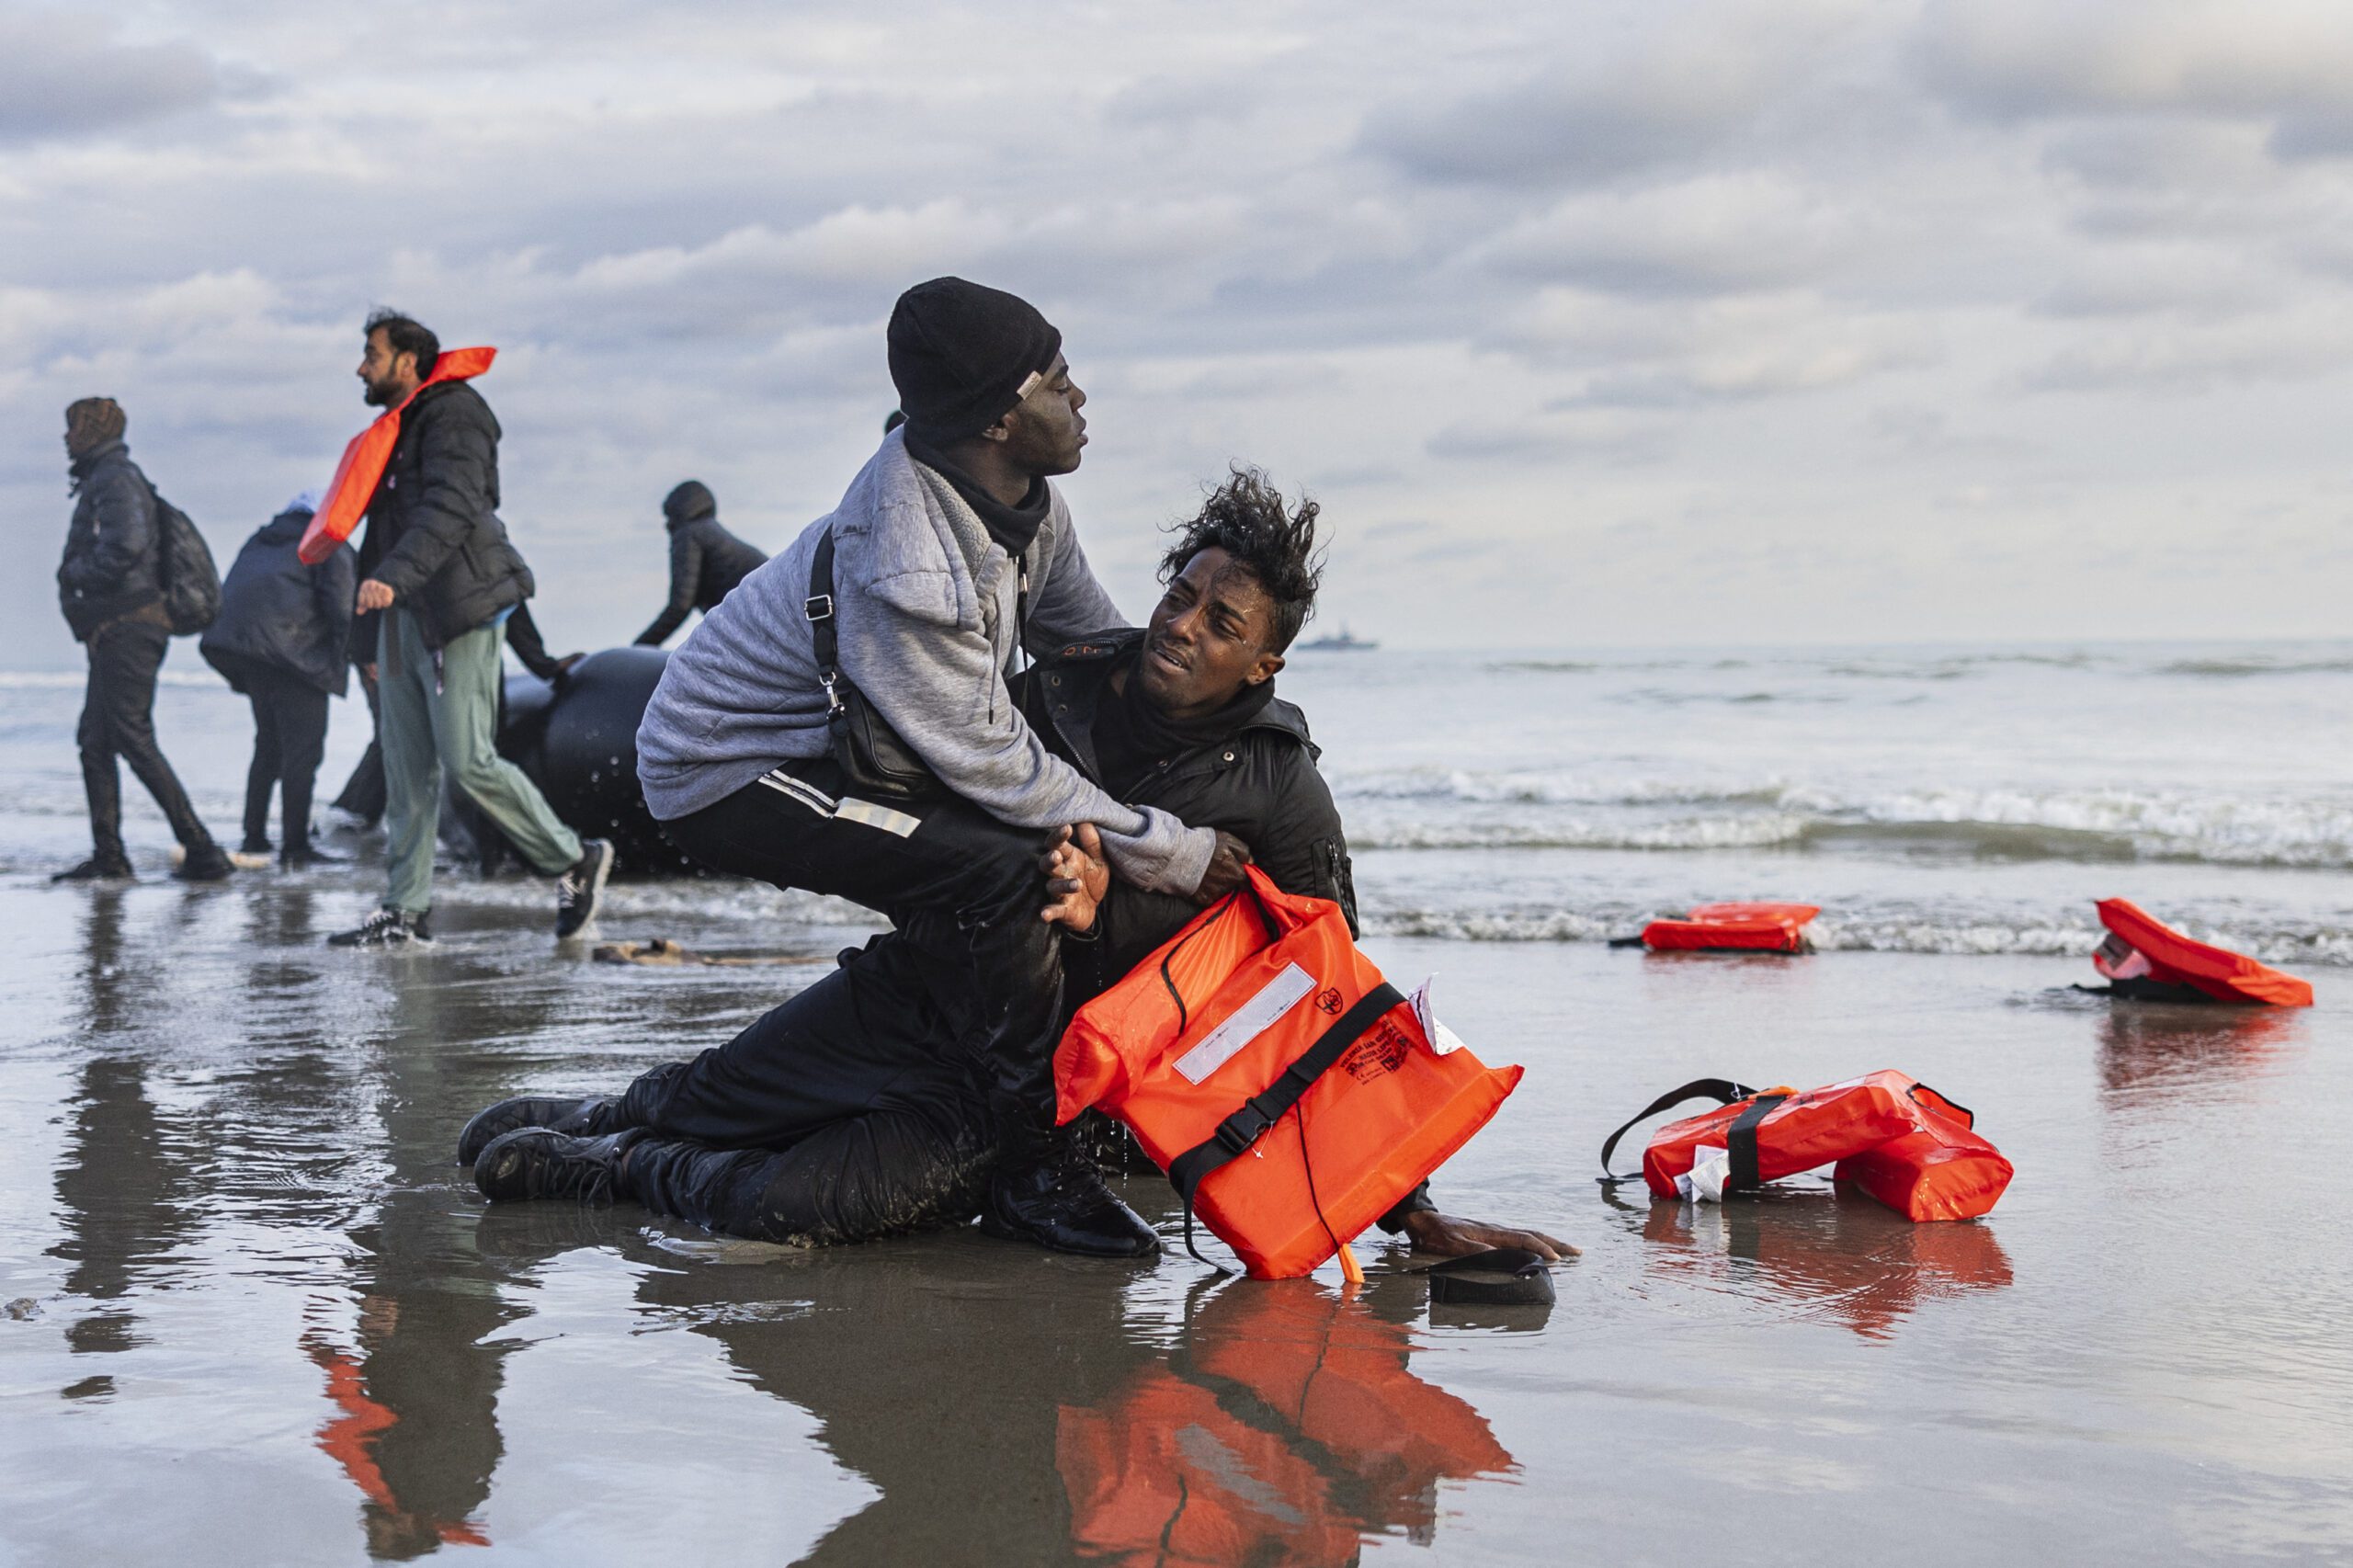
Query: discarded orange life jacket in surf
1291	1094
1888	1134
354	484
1739	928
2140	948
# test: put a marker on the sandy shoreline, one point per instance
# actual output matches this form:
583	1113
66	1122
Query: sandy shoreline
227	1189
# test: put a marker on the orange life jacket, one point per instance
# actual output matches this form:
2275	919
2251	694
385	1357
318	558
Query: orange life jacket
1890	1134
1746	927
1260	1029
2139	946
364	458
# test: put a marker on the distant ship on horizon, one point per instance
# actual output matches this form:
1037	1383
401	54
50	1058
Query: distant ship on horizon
1347	641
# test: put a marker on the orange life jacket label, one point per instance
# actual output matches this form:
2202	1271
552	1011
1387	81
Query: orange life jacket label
1292	1096
2142	946
354	484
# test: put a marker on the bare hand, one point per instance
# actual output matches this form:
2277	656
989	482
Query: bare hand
1079	877
368	674
375	595
1226	874
1443	1236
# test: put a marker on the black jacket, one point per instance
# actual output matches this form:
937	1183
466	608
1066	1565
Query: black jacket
111	565
1259	784
432	534
706	562
277	612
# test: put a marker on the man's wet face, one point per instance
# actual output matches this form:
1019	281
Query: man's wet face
1207	638
386	376
1047	437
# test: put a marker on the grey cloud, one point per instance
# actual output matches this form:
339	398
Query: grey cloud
61	75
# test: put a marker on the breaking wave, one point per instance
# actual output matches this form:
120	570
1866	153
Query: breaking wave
1430	809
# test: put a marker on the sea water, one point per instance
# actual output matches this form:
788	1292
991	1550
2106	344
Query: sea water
252	1313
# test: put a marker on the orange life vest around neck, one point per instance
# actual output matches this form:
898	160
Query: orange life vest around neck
354	484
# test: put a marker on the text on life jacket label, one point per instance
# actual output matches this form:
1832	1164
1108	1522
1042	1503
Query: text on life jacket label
1247	1023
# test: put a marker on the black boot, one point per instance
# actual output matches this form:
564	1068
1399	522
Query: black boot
575	1116
1059	1200
204	862
539	1161
99	868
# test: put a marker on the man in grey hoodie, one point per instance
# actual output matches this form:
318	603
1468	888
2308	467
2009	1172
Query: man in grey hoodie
951	554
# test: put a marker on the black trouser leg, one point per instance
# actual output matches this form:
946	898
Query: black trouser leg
101	781
363	792
855	1180
301	742
963	888
123	661
261	774
875	1034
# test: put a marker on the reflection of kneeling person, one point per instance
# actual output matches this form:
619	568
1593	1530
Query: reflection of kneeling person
855	1110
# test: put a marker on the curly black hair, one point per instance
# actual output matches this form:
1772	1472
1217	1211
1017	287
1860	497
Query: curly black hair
1248	519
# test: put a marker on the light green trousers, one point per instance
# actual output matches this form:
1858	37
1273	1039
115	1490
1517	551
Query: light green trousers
449	719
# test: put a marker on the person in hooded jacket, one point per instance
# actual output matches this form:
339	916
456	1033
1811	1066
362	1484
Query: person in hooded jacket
280	640
110	586
706	561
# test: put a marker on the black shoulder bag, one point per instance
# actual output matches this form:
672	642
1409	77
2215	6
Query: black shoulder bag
874	759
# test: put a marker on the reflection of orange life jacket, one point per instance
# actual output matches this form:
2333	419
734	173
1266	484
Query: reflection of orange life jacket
1748	927
354	484
2139	948
1892	1135
1295	1425
1260	1030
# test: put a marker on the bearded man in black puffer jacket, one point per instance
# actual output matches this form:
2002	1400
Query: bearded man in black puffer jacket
110	586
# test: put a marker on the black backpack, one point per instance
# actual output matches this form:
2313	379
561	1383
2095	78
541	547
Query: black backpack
183	567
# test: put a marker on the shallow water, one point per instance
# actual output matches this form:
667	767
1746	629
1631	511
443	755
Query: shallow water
273	1324
257	1317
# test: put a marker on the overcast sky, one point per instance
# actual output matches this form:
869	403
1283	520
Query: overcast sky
1589	324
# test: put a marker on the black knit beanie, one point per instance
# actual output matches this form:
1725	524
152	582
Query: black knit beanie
691	500
962	356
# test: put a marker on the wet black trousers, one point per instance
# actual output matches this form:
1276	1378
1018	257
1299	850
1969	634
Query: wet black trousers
363	792
289	737
118	720
853	1111
962	888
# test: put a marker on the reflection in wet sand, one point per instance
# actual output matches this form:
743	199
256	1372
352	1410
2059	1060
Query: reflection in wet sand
1024	1414
1837	1254
2165	1050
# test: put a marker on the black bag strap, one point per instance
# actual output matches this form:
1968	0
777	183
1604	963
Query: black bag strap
1723	1091
825	643
1740	1141
1237	1132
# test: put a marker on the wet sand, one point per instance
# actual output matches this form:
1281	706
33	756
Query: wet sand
272	1323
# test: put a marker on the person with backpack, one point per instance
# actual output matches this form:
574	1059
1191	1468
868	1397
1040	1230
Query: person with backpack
280	640
124	600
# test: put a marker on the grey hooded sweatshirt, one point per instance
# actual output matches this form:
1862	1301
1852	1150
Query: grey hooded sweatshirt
924	608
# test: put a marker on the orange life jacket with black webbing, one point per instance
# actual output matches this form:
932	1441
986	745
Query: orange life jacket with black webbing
1886	1133
1261	1030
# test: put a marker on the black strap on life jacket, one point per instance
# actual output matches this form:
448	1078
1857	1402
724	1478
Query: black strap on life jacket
1237	1132
1739	1142
1723	1091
